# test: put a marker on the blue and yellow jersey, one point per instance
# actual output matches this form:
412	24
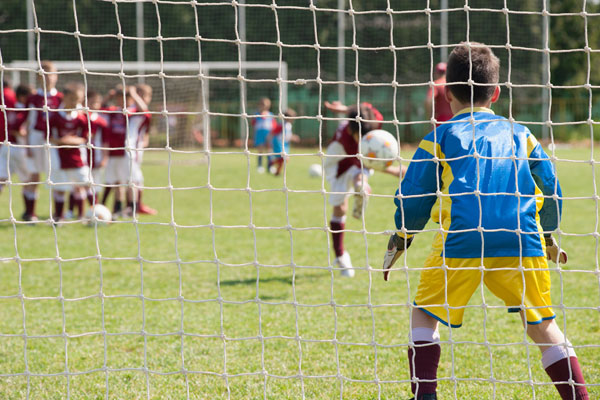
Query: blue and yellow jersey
488	182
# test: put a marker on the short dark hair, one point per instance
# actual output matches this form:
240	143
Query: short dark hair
23	90
477	61
366	113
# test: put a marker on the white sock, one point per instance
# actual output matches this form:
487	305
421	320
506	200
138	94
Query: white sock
556	353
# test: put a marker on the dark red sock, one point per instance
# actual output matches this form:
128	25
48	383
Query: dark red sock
59	206
72	202
92	198
105	194
560	372
426	360
117	207
139	199
79	205
338	237
279	164
29	205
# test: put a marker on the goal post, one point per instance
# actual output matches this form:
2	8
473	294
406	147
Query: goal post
195	98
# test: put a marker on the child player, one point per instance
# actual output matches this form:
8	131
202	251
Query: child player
38	134
69	168
263	125
139	125
496	196
13	160
345	174
121	168
281	137
98	156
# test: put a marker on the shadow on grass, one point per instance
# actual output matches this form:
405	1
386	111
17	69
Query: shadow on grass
278	279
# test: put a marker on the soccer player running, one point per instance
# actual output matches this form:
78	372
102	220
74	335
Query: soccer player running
346	175
38	135
69	168
435	101
263	124
496	196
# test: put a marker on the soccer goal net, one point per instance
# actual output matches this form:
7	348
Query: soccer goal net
235	267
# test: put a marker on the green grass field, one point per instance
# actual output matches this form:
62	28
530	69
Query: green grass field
228	293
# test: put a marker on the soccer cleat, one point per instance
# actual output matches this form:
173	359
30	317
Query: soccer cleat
260	170
29	217
345	264
69	215
273	169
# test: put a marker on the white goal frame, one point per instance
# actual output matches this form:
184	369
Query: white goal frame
141	70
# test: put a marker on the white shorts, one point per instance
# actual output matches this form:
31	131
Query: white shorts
98	176
14	163
123	170
63	180
344	184
37	162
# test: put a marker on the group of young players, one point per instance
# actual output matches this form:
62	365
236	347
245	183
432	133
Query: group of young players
47	133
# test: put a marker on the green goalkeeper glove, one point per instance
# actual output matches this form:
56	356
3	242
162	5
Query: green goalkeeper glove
553	252
395	248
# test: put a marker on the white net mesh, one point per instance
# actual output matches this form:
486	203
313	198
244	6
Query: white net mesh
233	289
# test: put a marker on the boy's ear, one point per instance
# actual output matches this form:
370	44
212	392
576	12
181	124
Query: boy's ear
496	94
448	94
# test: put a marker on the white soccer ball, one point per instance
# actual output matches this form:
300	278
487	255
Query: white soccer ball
315	171
98	214
379	148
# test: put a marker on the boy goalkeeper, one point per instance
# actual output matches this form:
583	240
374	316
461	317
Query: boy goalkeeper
495	193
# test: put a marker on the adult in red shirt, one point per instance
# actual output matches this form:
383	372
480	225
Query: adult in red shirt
435	102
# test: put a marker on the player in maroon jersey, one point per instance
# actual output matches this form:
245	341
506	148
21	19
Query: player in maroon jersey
12	159
38	134
141	122
346	175
121	167
69	168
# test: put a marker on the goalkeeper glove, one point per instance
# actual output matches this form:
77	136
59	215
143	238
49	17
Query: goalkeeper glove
553	252
395	248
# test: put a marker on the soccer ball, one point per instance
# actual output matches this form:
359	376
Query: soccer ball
99	214
379	148
315	171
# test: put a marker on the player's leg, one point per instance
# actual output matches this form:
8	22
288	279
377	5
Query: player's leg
340	187
59	205
362	189
558	359
445	288
337	225
37	164
529	293
423	354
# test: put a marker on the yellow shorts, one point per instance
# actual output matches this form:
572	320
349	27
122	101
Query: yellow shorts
444	292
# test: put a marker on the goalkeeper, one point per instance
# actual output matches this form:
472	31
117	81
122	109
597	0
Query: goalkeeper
495	193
